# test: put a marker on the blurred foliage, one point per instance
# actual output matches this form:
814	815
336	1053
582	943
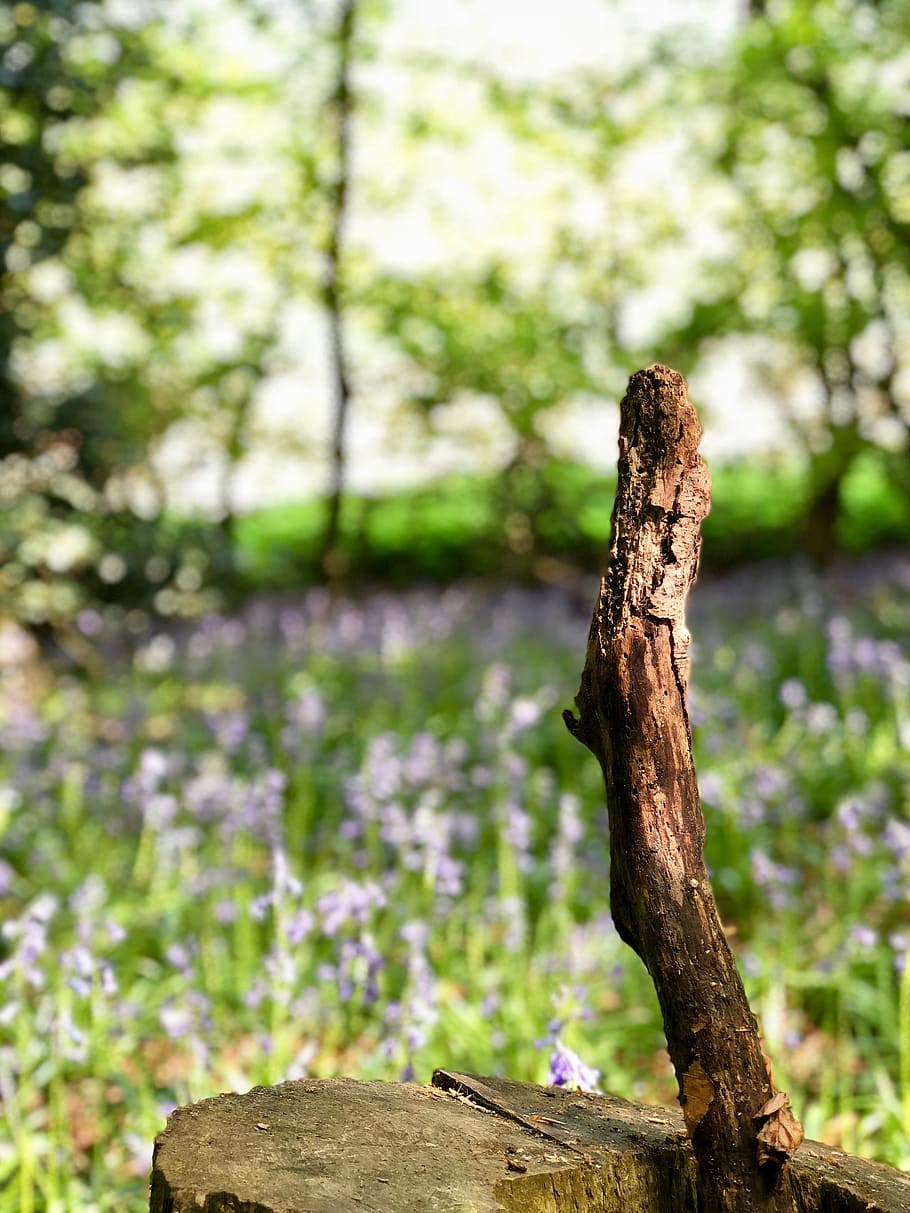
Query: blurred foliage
789	185
487	338
455	530
814	113
168	187
49	77
60	66
136	297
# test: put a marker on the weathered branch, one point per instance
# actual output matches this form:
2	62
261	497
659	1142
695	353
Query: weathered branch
632	715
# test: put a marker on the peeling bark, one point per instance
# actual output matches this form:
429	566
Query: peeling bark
632	715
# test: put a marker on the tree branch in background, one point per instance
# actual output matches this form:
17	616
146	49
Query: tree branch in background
341	107
632	715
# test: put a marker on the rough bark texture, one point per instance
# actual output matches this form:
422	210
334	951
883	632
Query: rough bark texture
632	715
468	1143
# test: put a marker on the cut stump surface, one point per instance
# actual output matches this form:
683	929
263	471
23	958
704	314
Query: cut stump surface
465	1143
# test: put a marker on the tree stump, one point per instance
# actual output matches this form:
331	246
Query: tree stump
465	1143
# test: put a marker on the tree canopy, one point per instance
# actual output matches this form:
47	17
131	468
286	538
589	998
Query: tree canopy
173	260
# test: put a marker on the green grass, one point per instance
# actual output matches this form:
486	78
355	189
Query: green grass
360	841
479	527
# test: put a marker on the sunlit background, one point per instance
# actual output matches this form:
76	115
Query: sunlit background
260	253
314	320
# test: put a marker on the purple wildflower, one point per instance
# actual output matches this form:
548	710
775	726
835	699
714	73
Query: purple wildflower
186	1018
793	694
29	935
899	944
71	1040
863	937
494	692
568	1070
569	835
350	903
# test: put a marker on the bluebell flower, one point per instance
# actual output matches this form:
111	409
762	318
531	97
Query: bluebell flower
568	1070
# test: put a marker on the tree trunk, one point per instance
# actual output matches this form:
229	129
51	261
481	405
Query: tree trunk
827	472
633	717
333	563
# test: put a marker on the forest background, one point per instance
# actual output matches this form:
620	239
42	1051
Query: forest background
308	293
264	254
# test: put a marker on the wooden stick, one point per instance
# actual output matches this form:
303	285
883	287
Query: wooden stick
632	715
